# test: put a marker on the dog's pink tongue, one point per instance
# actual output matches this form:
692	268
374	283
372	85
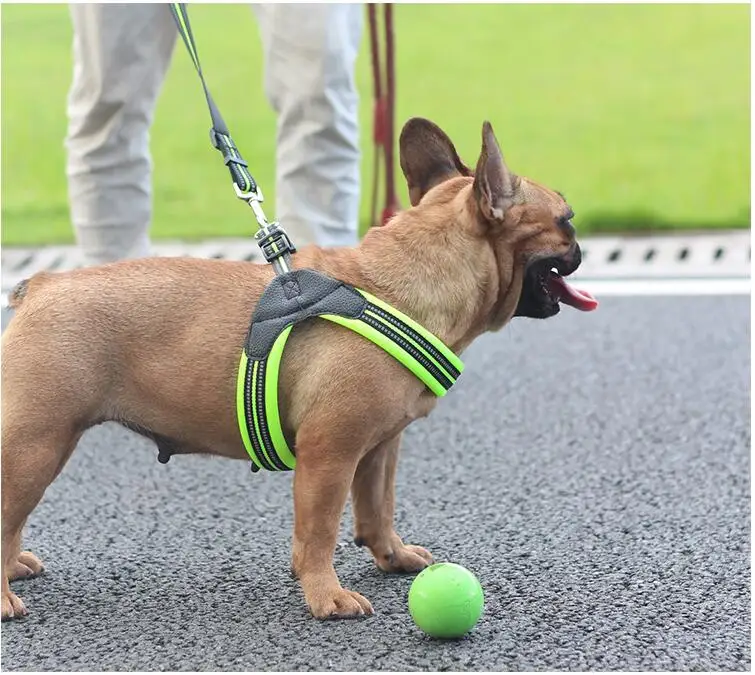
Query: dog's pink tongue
581	300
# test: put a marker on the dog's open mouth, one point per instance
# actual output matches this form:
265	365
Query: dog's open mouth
545	287
555	287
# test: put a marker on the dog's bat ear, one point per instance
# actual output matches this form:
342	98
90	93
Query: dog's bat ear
496	188
428	157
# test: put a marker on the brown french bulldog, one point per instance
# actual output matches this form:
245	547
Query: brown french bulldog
154	344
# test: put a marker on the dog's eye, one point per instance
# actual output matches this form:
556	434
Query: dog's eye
565	220
565	223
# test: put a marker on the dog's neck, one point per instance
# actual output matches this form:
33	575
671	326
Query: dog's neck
436	273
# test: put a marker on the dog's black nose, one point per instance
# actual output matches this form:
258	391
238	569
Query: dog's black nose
577	256
571	261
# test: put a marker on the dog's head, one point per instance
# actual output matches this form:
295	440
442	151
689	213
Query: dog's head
528	226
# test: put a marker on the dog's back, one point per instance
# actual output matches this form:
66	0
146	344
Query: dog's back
18	294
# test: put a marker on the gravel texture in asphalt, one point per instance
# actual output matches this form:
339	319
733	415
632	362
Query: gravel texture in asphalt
593	470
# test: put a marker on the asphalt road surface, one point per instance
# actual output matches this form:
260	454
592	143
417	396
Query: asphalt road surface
593	470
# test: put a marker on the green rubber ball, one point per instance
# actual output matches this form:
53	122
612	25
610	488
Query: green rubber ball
446	600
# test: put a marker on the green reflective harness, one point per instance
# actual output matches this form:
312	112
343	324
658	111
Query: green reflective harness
296	295
302	294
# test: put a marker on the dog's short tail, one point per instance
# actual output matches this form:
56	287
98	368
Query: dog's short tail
17	295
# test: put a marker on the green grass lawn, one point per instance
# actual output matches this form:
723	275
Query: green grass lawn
638	113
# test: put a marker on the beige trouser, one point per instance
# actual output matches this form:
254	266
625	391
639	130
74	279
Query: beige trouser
121	55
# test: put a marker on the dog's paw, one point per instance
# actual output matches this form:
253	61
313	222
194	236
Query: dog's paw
405	558
13	606
338	604
26	566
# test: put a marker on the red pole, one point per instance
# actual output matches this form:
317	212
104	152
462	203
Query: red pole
378	110
391	200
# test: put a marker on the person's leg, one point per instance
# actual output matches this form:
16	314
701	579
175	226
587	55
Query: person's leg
310	52
121	55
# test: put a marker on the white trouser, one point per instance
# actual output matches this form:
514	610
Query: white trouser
121	55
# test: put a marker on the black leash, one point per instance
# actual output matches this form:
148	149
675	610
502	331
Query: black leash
271	237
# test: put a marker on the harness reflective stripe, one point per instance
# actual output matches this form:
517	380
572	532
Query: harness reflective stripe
416	348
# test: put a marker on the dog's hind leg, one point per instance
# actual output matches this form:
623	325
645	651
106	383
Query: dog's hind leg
373	497
31	459
52	376
23	564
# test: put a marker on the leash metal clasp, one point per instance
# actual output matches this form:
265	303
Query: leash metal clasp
254	198
271	237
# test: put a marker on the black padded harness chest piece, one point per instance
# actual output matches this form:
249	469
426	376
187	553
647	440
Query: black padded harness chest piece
293	297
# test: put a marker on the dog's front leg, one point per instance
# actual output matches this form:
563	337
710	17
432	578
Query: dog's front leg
324	471
373	496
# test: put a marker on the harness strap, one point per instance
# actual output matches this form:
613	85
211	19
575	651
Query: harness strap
416	348
409	343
